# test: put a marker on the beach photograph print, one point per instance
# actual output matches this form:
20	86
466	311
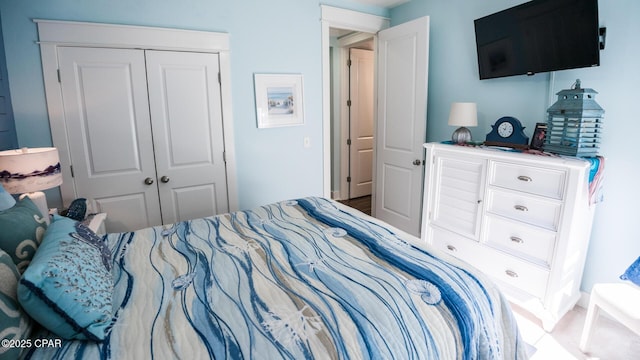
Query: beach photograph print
278	100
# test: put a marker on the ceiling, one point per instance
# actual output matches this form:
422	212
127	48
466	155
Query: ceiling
383	3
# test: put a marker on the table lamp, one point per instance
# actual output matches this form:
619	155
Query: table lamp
463	114
28	171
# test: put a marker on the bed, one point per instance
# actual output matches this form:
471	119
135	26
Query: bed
297	279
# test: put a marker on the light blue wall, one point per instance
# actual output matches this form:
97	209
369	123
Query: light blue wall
453	76
453	70
278	36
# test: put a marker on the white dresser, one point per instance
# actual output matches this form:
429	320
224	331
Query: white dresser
523	219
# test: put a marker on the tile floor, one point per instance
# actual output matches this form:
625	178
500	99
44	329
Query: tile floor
611	341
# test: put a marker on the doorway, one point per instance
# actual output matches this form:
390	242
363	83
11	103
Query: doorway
338	22
352	113
400	121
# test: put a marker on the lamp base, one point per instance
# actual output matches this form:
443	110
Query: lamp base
462	135
40	200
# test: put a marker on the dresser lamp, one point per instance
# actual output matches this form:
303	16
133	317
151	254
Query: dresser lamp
28	171
463	114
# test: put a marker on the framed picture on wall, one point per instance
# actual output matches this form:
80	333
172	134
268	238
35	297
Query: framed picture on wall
537	140
278	100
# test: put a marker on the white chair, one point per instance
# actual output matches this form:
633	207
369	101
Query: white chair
620	300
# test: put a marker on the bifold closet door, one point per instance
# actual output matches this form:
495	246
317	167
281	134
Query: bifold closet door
186	117
145	134
109	133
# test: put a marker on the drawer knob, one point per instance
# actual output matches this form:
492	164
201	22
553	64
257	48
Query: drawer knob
451	248
517	240
521	208
511	273
524	178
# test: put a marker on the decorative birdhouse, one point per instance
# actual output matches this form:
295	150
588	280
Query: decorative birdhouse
574	124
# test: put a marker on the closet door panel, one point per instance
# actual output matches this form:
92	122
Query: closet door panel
107	118
186	115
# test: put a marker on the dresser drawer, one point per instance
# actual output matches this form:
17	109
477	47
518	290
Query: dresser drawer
531	210
528	242
530	179
454	244
517	273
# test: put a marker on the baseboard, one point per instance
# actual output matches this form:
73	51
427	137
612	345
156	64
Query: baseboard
583	302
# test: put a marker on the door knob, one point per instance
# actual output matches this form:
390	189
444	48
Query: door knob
165	179
417	162
148	181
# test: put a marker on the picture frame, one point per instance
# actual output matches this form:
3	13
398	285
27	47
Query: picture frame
539	133
279	100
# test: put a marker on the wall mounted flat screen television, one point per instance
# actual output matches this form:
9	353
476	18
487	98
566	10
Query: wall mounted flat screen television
538	36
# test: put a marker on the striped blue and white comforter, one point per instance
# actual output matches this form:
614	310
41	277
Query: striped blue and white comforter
297	280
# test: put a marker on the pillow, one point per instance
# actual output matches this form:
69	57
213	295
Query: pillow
16	324
68	287
21	231
633	272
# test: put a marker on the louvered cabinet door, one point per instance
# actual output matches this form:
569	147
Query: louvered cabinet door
457	194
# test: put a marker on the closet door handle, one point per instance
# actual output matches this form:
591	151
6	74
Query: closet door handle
148	181
165	179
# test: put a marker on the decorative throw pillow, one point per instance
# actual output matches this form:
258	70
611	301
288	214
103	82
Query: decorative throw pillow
16	324
21	231
632	273
68	287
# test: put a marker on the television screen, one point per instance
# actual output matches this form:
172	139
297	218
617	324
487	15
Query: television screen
538	36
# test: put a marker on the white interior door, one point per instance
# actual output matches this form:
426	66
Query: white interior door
186	113
401	123
361	112
109	134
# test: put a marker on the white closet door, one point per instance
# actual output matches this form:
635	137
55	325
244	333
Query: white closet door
109	134
184	97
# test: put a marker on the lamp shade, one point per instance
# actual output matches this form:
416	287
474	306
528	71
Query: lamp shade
463	114
30	169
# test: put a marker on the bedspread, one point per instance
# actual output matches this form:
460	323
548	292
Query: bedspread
297	279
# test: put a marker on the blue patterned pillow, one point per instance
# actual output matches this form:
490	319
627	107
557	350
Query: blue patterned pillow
16	324
21	231
68	287
632	273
